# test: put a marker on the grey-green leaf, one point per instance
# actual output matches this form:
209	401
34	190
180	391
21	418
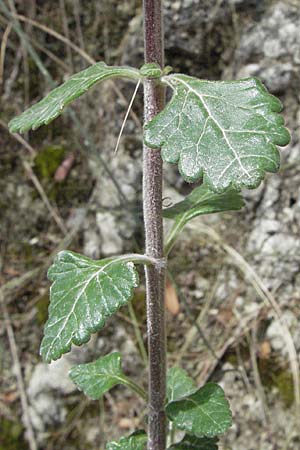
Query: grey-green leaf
98	377
137	441
179	384
225	131
203	200
83	295
53	104
195	443
205	413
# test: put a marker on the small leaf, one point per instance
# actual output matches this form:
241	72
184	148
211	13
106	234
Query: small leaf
195	443
137	441
201	201
179	384
83	295
53	104
151	70
226	131
98	377
205	413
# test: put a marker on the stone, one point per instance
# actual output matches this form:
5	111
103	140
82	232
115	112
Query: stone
48	377
275	331
47	385
111	242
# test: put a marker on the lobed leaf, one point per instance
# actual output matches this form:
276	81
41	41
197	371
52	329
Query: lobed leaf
137	441
225	131
83	295
53	104
203	200
179	384
204	413
195	443
98	377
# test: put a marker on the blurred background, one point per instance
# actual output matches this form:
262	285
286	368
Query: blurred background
233	291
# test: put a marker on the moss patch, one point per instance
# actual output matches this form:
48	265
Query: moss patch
284	383
11	436
48	160
42	309
273	375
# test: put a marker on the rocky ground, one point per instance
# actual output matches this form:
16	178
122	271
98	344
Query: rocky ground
237	274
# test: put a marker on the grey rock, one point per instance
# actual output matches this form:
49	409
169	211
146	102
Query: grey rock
276	77
261	233
92	243
48	377
46	386
46	411
275	36
275	331
111	241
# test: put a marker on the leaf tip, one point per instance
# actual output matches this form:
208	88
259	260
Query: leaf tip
13	126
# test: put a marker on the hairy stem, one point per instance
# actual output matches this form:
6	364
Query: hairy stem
154	96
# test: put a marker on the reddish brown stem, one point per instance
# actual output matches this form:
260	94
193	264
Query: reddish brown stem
152	194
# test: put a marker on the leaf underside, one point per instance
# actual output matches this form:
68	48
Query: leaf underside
195	443
225	131
83	295
53	104
205	413
203	200
98	377
137	441
179	384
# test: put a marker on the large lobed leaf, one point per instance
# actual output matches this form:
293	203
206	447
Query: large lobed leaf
203	200
53	104
204	413
137	441
98	377
225	131
83	295
195	443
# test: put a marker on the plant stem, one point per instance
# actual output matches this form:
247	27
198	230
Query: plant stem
135	258
154	97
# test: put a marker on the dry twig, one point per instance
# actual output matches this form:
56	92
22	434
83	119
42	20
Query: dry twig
3	50
266	296
19	377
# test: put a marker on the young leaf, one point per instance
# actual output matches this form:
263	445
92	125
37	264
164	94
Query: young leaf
195	443
201	201
226	131
205	413
98	377
137	441
53	104
83	295
179	384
